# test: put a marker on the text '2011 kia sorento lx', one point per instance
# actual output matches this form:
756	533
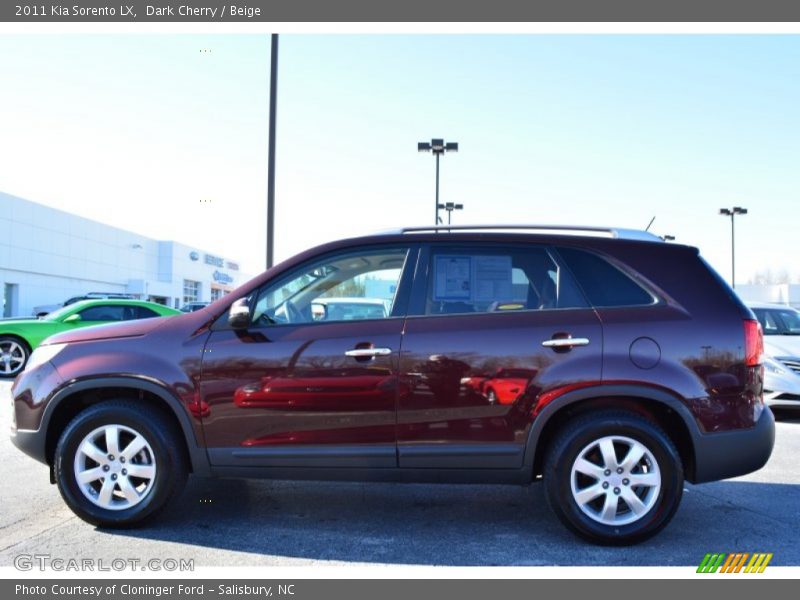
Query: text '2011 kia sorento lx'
635	367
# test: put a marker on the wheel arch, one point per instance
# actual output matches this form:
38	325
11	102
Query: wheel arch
655	404
75	397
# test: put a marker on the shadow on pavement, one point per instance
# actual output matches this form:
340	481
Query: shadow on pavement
463	525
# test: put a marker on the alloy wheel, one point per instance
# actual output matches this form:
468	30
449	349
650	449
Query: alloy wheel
615	480
115	467
12	357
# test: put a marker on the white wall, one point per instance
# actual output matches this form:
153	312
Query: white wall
52	255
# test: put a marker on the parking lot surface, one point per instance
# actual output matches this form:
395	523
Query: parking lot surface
249	522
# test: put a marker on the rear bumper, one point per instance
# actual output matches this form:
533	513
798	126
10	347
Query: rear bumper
734	453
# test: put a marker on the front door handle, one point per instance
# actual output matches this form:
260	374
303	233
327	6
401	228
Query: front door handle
565	342
368	352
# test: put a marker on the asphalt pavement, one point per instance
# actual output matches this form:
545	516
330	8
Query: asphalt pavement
248	523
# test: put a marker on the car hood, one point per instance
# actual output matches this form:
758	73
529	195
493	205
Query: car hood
111	330
782	345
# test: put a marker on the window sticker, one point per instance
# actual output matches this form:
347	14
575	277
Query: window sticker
473	278
492	279
453	278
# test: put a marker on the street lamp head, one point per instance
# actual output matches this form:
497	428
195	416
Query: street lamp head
451	146
423	147
459	207
738	210
725	211
441	206
437	145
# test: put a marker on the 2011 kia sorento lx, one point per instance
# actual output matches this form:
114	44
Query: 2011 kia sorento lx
635	367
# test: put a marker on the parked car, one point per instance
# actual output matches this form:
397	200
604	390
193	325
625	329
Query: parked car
348	309
645	370
193	306
41	311
18	338
781	325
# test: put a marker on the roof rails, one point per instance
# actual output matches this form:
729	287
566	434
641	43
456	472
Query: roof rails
612	232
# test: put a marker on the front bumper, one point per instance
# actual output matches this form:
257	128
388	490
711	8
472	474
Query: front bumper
29	393
733	453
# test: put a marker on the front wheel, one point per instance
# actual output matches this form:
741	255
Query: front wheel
14	355
118	463
613	477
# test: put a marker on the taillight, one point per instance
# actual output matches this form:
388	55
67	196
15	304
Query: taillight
753	343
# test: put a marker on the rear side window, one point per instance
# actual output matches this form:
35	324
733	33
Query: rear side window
497	279
603	283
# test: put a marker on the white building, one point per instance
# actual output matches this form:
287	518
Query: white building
776	293
48	255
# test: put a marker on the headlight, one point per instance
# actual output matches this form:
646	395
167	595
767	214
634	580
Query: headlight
774	366
43	354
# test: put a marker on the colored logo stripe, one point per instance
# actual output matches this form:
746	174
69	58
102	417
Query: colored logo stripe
733	563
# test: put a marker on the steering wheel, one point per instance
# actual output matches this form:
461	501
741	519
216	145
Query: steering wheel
293	314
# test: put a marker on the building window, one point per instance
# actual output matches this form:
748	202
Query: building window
216	294
191	291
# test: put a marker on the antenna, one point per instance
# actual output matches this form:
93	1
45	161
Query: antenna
650	223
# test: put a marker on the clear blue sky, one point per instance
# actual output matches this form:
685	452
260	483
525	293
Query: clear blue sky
134	130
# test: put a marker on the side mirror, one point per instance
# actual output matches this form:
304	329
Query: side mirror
76	318
239	314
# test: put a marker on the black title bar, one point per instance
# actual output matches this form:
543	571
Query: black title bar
174	11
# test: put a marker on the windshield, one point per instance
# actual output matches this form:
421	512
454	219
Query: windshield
57	315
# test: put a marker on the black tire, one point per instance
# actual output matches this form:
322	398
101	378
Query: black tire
579	434
168	456
5	342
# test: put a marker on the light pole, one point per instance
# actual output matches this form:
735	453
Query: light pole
273	109
450	207
732	212
438	147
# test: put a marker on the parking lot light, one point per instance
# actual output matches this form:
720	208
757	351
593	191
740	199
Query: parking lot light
438	147
732	212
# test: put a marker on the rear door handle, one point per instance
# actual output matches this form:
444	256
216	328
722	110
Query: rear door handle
565	342
368	352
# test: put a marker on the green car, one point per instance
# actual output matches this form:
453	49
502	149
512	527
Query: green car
18	337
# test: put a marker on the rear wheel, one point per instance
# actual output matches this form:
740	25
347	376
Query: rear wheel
14	355
613	477
117	463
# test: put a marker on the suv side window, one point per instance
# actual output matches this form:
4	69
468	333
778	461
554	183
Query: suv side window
603	283
346	287
486	279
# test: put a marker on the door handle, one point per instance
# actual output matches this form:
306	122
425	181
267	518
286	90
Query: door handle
565	342
368	352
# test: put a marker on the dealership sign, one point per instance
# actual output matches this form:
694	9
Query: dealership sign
221	277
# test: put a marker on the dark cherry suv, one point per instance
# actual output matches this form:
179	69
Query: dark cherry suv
634	367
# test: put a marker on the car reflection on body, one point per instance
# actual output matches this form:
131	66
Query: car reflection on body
505	386
356	387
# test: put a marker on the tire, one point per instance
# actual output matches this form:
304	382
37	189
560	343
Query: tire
14	354
161	462
607	514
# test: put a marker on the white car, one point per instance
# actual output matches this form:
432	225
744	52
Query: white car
344	309
781	325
